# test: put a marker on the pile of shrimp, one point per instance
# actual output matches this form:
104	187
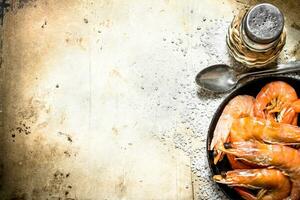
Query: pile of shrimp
260	138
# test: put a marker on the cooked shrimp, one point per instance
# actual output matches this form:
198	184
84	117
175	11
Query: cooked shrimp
281	157
239	106
238	164
295	108
295	121
273	102
273	185
296	105
251	128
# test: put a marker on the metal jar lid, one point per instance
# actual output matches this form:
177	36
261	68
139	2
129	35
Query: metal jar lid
264	23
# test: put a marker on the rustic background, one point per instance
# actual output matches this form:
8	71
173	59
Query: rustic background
98	99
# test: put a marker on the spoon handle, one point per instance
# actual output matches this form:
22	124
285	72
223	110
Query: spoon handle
293	66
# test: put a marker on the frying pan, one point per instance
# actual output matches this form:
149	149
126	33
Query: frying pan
250	88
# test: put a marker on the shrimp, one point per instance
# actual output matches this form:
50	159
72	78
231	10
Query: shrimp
295	108
296	105
273	185
251	128
274	100
237	164
239	106
281	157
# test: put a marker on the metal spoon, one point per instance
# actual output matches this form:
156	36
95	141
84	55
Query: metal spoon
221	78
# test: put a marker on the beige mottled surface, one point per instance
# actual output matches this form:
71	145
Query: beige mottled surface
99	100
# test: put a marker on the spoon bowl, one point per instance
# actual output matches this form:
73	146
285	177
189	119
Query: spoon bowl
218	78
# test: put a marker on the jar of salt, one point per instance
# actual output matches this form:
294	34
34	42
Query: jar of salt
256	36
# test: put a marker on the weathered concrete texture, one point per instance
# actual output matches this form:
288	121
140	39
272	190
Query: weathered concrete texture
99	96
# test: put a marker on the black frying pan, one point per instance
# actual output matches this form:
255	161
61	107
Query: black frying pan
250	88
